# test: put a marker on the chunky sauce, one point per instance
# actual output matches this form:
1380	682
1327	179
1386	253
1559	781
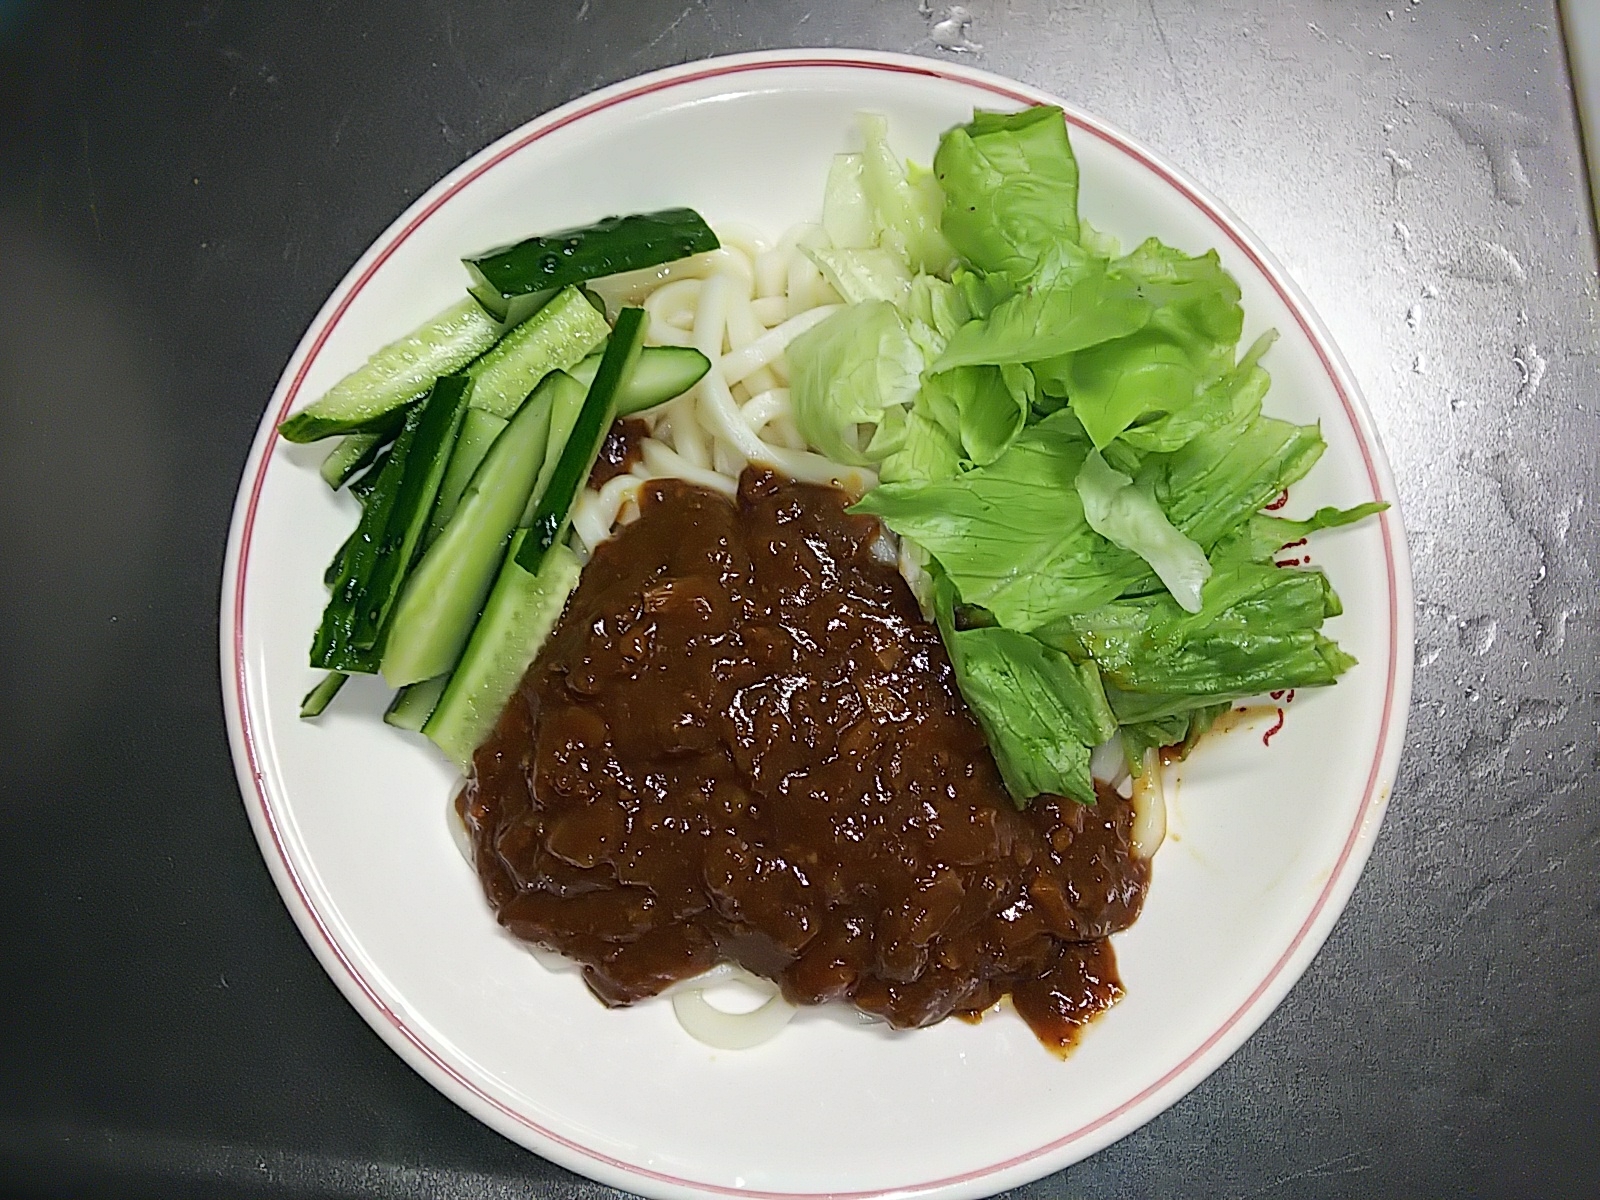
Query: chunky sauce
744	743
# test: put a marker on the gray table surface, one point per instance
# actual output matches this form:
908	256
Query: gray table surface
181	185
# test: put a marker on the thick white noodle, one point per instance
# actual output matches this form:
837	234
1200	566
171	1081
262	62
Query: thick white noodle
665	463
1149	807
761	409
744	361
596	512
725	1030
770	310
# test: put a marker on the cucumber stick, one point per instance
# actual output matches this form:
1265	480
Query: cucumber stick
352	452
413	705
318	697
553	339
397	374
478	432
517	620
663	373
408	519
553	510
333	645
395	512
445	591
513	280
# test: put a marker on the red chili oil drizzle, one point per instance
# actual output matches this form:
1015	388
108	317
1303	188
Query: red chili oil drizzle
1283	498
1266	738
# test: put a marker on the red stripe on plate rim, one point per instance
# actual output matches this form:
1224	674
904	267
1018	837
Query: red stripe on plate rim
1371	802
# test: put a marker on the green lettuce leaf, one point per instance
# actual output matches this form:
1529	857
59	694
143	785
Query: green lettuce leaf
1046	321
930	445
847	372
847	215
1187	344
1261	536
1127	514
1040	710
1258	630
1221	477
908	203
1012	535
871	273
1010	185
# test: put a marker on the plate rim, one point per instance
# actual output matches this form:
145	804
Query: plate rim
1071	1146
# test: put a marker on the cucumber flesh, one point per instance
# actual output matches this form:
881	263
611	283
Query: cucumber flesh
566	402
353	452
553	339
662	373
554	509
412	706
445	591
318	697
408	518
516	622
479	429
397	374
505	280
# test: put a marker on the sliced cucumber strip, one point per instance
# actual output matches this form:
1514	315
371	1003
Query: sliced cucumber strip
397	374
317	698
333	645
553	339
507	281
353	452
412	706
553	511
566	403
408	518
445	591
516	622
478	432
662	373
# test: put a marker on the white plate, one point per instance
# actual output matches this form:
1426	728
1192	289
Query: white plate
1267	839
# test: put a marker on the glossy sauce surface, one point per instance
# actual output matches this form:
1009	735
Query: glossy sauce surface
744	743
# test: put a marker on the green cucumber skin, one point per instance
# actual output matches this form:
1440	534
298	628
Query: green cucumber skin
332	646
554	510
445	592
517	621
553	339
408	518
413	705
479	428
663	373
318	698
397	374
504	276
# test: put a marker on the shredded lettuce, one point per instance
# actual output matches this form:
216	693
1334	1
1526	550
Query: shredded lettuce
1128	516
1012	535
847	216
907	203
1041	710
1071	448
869	273
1010	186
847	372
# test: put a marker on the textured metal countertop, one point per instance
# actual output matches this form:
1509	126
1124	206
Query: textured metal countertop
182	184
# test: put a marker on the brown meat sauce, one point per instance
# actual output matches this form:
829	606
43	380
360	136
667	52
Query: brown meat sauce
744	743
